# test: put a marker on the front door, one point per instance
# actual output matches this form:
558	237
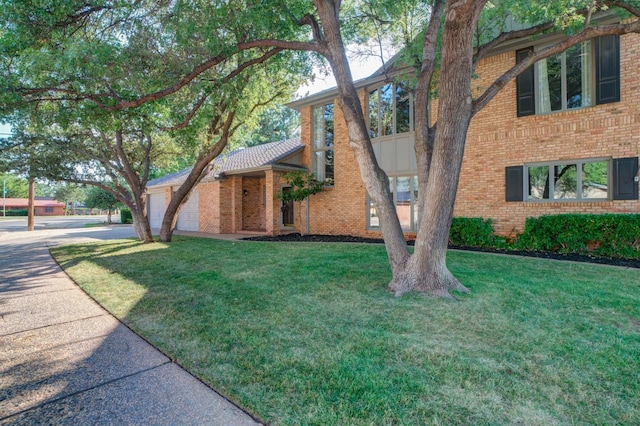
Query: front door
287	211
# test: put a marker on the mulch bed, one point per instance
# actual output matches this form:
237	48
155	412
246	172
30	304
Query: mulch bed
629	263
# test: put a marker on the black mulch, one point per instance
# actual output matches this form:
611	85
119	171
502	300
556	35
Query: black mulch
629	263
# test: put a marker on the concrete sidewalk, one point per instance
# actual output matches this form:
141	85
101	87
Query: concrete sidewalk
65	360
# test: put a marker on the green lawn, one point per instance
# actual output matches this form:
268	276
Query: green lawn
306	333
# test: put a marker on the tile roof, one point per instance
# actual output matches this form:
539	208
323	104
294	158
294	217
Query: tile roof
240	159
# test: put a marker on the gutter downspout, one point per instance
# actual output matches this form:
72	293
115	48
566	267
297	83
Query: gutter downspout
308	226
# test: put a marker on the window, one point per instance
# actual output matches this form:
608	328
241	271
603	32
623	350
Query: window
585	180
390	110
323	144
48	209
566	81
404	190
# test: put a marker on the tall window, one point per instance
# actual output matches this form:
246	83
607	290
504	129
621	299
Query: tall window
405	197
389	110
568	180
323	144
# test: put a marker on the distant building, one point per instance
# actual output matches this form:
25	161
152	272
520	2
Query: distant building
42	207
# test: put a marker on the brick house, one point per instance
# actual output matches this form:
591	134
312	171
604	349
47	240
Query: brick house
42	207
239	195
563	138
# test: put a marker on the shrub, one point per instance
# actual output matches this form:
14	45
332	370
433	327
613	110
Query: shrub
125	216
612	235
472	232
21	212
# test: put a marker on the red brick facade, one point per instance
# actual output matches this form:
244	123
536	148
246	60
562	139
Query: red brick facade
497	139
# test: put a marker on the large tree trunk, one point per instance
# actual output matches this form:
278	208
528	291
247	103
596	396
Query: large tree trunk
141	223
426	269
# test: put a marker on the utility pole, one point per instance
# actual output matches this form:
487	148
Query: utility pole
31	213
4	196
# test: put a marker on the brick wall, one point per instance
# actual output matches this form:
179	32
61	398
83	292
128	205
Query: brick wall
498	138
341	209
209	207
253	209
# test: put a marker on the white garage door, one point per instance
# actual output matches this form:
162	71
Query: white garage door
188	216
156	209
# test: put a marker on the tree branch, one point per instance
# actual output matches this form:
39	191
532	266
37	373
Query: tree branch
508	36
533	57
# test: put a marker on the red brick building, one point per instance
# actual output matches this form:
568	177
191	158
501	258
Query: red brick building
42	207
563	138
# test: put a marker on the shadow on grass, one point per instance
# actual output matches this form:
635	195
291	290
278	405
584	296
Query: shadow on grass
306	333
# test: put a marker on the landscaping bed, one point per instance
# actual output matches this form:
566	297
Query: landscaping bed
574	257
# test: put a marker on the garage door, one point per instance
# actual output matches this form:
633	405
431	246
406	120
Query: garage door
188	216
156	209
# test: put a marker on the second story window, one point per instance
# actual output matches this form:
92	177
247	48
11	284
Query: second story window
564	80
322	150
390	110
584	75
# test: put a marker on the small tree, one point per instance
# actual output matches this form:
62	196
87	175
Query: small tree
303	185
69	193
98	198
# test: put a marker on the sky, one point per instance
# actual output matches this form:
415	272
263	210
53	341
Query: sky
359	70
4	130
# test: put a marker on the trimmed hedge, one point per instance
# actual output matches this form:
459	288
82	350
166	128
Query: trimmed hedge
125	216
472	232
611	235
22	212
608	235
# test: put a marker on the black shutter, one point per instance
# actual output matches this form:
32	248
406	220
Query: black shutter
625	178
607	69
514	183
525	88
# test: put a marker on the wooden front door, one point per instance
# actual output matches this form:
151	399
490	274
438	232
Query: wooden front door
287	211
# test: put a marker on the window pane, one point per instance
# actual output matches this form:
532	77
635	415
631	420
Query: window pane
328	167
373	113
318	165
578	75
403	112
538	183
386	110
550	84
415	202
328	125
565	177
318	127
374	220
403	201
595	180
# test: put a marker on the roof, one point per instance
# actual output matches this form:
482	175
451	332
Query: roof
254	157
24	202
